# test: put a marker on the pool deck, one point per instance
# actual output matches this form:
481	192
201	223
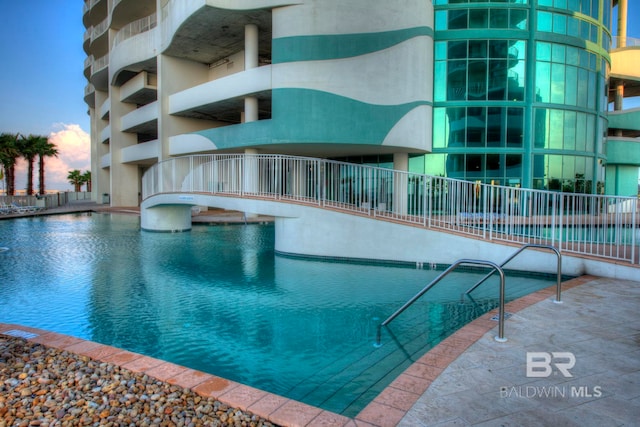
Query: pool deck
469	378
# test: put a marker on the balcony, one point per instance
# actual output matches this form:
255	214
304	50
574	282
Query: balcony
105	109
623	151
142	120
93	12
141	89
105	135
99	44
134	28
100	73
105	161
143	153
628	121
86	40
624	66
218	31
125	11
90	95
223	99
88	64
133	55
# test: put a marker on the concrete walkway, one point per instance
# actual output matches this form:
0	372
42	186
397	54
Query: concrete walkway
598	325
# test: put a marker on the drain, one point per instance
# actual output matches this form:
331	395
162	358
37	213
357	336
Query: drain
497	316
20	334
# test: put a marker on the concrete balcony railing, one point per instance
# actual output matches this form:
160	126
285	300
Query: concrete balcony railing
141	49
218	91
142	152
89	95
134	28
100	64
99	29
140	116
105	109
105	161
88	64
105	134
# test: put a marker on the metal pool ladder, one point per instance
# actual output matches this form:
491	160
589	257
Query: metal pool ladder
518	252
435	281
495	267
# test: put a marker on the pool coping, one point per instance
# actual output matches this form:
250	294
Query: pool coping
387	409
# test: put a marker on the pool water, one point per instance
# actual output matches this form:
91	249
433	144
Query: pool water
218	299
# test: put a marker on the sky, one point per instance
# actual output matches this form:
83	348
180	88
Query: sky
42	82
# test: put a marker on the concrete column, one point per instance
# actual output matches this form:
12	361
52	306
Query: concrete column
250	46
166	218
622	42
400	183
125	178
622	23
250	109
250	61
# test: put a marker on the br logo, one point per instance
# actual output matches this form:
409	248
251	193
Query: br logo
540	363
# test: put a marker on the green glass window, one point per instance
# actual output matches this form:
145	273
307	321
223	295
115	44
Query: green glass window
559	24
557	83
515	127
571	94
581	132
555	130
570	130
440	81
435	164
440	128
545	21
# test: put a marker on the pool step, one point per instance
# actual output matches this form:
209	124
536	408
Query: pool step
376	367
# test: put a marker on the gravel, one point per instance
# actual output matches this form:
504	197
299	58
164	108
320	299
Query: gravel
42	386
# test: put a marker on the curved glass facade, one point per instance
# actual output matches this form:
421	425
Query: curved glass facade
525	105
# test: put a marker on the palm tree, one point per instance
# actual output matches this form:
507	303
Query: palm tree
28	148
75	179
44	148
86	179
9	154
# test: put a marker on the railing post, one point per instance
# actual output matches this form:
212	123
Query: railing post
635	230
500	337
560	220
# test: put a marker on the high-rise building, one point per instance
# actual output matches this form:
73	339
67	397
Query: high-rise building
509	92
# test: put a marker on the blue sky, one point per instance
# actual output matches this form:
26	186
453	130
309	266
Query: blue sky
42	82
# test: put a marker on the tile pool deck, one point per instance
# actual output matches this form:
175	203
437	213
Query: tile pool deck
469	378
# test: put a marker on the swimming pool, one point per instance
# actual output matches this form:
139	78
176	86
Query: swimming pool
218	299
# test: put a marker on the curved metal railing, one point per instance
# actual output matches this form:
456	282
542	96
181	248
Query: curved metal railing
518	252
495	267
600	226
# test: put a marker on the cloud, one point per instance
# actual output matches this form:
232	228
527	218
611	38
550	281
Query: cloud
74	152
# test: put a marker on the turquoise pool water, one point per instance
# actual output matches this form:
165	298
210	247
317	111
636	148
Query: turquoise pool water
218	299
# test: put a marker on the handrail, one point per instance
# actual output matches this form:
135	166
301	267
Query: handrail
499	338
518	252
594	225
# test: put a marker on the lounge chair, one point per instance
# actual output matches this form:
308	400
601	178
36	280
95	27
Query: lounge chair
5	209
23	209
